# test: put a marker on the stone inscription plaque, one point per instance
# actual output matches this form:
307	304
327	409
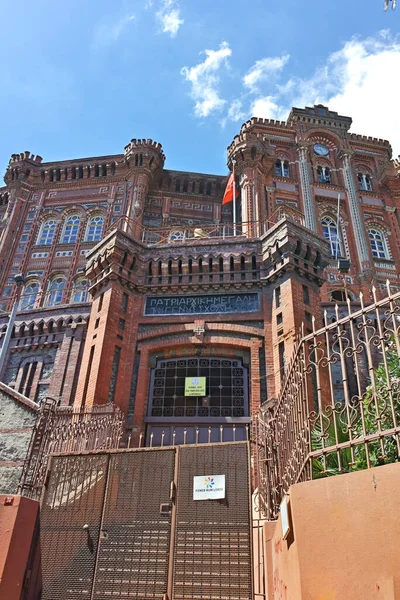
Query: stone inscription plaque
201	305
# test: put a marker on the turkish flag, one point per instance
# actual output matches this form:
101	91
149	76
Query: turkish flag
228	196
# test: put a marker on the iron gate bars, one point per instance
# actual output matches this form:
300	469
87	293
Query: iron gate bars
339	407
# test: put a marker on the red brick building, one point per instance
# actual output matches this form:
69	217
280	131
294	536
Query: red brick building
136	277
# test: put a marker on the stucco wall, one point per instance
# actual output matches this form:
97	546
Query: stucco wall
344	539
17	417
19	570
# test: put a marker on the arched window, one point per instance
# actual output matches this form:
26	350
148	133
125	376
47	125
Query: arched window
46	234
55	291
339	295
29	295
71	230
364	182
330	233
95	229
378	243
80	291
282	168
323	174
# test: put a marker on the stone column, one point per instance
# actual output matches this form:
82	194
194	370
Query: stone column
309	208
246	191
355	213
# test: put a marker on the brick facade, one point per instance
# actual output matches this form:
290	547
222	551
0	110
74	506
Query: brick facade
130	230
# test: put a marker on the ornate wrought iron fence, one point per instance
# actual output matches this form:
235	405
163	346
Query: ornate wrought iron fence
339	407
66	429
173	234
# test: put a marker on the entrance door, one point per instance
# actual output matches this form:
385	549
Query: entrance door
220	414
134	547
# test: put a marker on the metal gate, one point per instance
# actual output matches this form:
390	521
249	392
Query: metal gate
123	524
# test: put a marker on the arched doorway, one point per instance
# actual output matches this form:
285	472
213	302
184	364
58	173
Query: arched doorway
219	413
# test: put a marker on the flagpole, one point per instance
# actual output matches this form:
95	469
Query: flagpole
234	197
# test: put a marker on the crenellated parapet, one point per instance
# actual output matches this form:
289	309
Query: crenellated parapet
355	137
144	153
251	141
22	167
25	156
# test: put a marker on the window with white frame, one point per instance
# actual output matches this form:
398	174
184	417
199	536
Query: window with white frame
71	230
323	174
364	182
282	168
330	233
46	234
94	229
378	242
55	291
29	295
80	291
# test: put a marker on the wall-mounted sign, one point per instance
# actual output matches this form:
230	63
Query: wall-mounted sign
201	305
284	514
195	386
209	487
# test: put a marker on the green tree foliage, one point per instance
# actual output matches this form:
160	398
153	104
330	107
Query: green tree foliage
379	410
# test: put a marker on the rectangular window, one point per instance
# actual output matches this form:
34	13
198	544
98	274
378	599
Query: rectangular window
125	299
277	297
24	237
96	323
100	303
306	295
121	324
114	374
88	375
282	359
279	319
308	317
30	216
27	227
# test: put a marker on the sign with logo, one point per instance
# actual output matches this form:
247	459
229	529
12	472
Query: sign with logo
209	487
195	386
202	304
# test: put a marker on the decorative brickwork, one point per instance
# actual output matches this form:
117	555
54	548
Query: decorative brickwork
127	264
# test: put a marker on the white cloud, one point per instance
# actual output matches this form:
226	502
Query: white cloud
204	80
262	69
360	80
106	34
169	17
267	108
235	113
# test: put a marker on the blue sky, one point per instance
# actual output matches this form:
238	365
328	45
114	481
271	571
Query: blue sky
81	78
